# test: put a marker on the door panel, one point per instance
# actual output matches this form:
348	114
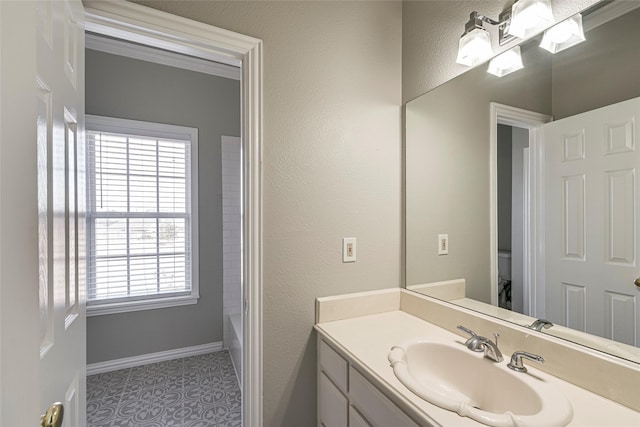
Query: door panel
620	207
591	221
45	283
60	61
573	216
42	323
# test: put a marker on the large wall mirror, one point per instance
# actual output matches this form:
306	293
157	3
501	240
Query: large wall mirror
523	191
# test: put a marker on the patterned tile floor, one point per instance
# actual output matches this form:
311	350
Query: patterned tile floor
198	391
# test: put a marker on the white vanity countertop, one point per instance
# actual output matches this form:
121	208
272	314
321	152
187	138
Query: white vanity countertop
368	339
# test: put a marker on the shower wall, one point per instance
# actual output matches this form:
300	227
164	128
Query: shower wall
232	248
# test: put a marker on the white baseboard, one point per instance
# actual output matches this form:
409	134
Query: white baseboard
145	359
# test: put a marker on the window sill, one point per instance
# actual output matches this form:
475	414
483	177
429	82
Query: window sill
149	304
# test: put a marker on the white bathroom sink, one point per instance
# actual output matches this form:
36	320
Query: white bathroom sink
457	379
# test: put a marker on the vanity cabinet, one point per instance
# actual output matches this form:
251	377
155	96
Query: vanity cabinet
347	399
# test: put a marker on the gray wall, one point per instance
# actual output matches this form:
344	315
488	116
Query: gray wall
505	141
117	86
332	96
603	70
447	169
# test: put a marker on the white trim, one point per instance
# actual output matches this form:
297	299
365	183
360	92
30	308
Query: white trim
140	24
537	223
163	57
527	302
139	127
608	13
146	359
512	116
144	304
144	25
252	334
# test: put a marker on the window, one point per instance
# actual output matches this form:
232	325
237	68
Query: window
141	215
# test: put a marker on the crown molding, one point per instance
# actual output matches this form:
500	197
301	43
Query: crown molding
159	56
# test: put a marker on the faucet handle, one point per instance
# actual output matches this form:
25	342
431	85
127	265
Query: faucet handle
516	360
538	324
474	343
467	330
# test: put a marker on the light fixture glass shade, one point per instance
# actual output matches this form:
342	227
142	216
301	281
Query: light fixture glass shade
529	17
474	47
506	63
563	35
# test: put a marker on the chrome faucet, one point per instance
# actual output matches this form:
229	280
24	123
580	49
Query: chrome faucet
539	324
516	360
479	343
491	350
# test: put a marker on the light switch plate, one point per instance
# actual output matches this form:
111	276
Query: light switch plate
349	249
443	244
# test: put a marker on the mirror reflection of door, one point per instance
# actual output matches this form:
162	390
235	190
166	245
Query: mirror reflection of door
591	245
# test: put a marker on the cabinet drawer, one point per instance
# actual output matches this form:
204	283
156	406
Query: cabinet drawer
373	405
334	365
333	404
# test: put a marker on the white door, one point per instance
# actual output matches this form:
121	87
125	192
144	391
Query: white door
42	320
592	233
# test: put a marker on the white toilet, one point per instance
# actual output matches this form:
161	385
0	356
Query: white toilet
504	265
504	279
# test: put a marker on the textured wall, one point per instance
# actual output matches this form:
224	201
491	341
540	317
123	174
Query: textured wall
332	96
431	31
117	86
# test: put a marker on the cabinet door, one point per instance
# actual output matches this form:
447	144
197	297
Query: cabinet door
356	419
374	405
333	410
334	366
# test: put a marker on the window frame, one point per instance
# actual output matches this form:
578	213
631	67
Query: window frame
155	130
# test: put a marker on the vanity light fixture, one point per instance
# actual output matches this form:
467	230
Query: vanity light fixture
563	35
506	63
529	17
475	45
523	19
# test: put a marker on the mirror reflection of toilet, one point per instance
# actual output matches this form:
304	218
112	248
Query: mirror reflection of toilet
504	279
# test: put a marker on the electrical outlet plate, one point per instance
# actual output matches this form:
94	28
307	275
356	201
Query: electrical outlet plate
443	244
349	249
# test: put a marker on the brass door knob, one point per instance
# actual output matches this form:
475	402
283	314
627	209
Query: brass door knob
53	416
637	282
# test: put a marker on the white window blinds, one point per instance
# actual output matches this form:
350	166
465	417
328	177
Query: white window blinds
140	224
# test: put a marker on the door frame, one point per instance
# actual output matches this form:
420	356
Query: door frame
533	263
163	30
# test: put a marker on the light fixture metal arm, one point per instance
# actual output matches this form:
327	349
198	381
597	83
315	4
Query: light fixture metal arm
488	20
476	20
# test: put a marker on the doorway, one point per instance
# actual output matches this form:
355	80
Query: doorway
515	158
513	219
155	29
163	251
